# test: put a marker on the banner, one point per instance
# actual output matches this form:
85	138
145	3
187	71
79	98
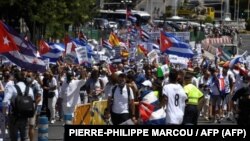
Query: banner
152	55
177	60
82	54
69	58
69	48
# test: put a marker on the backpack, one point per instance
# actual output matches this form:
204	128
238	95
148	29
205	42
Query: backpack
23	105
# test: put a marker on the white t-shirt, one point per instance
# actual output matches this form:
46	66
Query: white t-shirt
37	86
238	80
104	79
108	90
176	103
53	83
120	102
11	91
70	92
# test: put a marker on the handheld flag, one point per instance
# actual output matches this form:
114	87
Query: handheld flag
165	43
6	40
114	40
43	47
145	111
172	45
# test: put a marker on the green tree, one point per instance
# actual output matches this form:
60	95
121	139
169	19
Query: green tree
50	18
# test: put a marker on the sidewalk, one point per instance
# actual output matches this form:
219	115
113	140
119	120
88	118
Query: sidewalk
56	132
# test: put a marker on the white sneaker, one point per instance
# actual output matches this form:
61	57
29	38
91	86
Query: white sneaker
52	121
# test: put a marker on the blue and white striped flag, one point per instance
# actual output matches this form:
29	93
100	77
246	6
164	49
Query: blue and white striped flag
56	51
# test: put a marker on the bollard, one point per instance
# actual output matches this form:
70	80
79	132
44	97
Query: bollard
43	129
68	119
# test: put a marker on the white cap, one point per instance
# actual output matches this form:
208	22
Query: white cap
147	83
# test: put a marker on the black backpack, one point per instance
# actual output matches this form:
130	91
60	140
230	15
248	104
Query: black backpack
23	105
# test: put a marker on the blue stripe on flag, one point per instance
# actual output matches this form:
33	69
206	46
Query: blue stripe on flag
25	57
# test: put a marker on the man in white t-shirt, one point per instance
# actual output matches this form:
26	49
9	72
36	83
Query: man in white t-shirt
122	99
175	97
70	92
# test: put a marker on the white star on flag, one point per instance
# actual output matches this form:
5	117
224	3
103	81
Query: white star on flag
166	42
5	41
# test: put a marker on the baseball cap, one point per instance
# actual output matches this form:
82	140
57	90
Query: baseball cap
147	83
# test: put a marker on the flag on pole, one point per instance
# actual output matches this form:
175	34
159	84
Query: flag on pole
25	56
7	42
165	43
114	40
106	44
172	45
43	47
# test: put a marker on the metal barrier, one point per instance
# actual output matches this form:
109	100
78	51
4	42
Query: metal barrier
97	113
92	114
82	114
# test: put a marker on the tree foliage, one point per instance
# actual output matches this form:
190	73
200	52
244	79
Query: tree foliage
50	18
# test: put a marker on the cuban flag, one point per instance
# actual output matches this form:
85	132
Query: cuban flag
144	35
145	110
106	44
82	37
238	59
172	45
55	52
152	46
25	56
132	30
158	117
130	16
149	113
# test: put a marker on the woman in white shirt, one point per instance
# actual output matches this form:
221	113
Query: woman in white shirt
52	99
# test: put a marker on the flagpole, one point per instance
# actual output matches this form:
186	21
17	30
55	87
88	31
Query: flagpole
126	2
160	40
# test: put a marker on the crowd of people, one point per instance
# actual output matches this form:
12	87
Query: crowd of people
171	95
215	92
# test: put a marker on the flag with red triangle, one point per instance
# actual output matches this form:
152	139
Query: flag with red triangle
43	47
145	110
6	40
165	43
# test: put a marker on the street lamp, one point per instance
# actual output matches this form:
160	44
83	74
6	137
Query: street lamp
126	2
